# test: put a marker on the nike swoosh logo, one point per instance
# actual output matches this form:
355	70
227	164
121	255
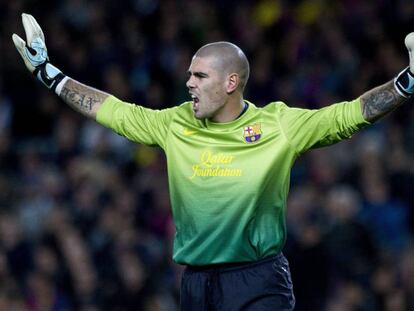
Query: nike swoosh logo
188	132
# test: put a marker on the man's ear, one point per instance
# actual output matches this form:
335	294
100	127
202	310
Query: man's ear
233	81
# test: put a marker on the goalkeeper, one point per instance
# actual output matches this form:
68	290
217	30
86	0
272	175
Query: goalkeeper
228	165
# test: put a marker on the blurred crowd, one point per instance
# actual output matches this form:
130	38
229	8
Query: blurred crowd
85	219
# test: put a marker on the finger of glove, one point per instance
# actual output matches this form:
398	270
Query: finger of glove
409	43
32	28
20	45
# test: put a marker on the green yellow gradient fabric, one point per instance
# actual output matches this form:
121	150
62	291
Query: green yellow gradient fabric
229	181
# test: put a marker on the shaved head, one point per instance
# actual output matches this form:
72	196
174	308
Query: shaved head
228	58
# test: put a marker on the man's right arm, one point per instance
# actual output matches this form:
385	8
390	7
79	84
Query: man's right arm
82	98
135	122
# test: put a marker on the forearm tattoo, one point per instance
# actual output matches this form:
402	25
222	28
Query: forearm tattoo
380	101
82	98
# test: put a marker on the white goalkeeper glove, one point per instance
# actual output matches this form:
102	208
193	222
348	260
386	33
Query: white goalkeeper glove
34	54
404	82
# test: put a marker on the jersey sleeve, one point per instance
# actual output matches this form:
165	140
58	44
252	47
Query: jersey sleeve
305	128
139	124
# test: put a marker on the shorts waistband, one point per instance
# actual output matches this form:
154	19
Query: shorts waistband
234	265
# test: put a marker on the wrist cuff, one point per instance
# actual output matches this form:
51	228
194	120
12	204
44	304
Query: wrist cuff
404	83
59	85
49	75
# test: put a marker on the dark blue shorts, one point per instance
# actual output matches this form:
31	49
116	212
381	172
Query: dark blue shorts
263	285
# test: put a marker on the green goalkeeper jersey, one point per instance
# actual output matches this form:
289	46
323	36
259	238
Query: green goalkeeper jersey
229	181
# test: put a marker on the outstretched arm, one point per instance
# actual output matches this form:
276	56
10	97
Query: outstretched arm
80	97
385	98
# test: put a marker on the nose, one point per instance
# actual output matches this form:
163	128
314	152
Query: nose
190	83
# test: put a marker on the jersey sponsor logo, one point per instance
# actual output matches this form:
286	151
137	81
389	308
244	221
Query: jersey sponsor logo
188	132
213	164
252	133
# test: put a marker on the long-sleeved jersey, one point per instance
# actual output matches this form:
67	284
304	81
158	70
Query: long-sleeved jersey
229	182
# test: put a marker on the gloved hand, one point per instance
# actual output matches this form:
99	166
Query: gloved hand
34	53
404	82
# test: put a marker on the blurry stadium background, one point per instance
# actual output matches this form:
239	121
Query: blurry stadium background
85	219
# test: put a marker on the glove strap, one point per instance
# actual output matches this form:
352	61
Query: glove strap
49	75
404	83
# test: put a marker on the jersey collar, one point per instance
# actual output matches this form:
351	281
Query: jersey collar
225	126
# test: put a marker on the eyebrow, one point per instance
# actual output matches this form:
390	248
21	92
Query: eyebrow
198	74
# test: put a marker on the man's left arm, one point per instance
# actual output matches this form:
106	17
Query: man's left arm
385	98
380	101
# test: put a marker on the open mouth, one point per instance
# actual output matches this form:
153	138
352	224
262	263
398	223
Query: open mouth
195	101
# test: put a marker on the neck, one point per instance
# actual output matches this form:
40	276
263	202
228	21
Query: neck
230	111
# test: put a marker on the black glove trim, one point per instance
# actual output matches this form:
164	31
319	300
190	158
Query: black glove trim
51	82
404	83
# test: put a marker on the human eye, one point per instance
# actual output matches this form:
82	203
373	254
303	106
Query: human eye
200	75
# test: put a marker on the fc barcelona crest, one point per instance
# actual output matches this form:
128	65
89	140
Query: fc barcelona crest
252	133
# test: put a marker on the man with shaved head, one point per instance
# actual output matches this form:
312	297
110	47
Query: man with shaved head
228	164
230	59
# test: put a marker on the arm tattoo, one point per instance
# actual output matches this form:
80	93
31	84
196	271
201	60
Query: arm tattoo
380	101
82	98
